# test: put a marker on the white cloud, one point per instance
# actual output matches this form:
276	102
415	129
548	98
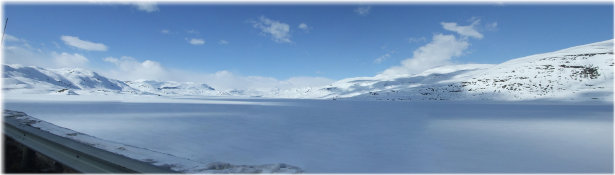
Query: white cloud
69	60
363	10
165	31
196	41
25	56
417	40
280	32
466	31
223	42
26	45
28	56
438	52
192	31
56	44
11	38
82	44
304	27
492	26
18	51
111	60
146	6
128	68
382	58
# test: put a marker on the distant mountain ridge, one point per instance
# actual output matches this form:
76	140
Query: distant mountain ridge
75	81
578	73
173	88
33	79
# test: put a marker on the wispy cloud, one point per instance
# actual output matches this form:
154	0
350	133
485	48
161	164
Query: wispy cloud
466	31
26	55
280	32
165	31
11	38
69	60
192	31
196	41
363	10
223	42
304	27
146	6
416	40
56	44
491	26
380	59
83	44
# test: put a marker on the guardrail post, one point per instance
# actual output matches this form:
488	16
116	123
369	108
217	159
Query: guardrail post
27	159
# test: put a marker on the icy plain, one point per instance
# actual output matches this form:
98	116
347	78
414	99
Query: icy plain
347	136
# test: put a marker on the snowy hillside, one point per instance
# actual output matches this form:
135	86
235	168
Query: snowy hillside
37	80
20	79
578	73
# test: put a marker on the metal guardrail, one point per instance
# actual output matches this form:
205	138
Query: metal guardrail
81	157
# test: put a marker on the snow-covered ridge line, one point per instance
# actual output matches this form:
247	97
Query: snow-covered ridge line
150	156
581	73
578	73
75	81
37	80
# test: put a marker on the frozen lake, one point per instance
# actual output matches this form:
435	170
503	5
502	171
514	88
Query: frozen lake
355	136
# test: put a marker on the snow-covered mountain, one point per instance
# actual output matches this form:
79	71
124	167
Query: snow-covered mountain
32	79
173	88
578	73
75	81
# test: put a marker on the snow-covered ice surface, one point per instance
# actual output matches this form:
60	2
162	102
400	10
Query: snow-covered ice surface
175	163
333	136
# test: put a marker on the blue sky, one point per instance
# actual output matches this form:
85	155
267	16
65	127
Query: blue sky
264	41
